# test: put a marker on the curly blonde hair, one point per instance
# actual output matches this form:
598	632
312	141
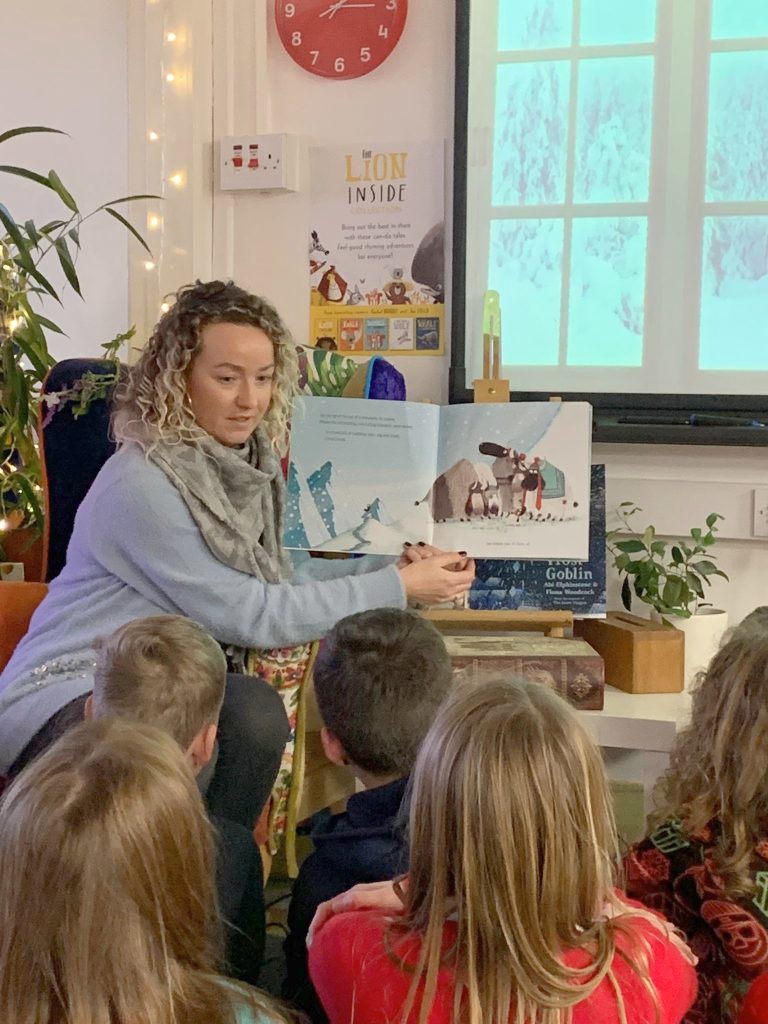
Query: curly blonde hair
719	765
151	406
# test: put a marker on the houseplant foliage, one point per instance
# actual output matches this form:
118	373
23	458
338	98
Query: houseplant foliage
670	576
26	249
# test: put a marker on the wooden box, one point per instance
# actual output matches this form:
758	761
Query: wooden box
571	667
640	656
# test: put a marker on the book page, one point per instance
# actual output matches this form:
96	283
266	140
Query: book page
513	480
358	475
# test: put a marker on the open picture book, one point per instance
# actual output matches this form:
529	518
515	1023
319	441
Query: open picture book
497	481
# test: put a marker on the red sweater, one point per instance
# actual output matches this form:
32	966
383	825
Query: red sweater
358	982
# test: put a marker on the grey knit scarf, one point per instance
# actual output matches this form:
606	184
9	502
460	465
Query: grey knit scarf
237	499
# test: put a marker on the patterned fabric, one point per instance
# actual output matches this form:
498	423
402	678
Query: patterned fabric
324	373
237	499
674	873
287	669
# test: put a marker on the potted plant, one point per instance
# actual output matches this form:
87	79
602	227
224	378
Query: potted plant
671	577
25	250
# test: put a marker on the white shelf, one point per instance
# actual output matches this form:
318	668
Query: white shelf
638	721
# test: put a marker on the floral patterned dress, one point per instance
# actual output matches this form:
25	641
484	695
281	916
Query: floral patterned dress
673	872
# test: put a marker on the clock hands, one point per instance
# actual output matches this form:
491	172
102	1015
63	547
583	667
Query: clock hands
340	5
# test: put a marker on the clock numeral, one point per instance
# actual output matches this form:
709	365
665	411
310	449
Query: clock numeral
339	65
290	9
390	6
314	54
296	39
383	31
365	54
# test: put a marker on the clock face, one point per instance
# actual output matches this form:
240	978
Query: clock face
340	38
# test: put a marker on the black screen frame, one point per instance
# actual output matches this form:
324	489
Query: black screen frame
664	418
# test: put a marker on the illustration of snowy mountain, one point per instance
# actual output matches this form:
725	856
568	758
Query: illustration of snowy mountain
376	511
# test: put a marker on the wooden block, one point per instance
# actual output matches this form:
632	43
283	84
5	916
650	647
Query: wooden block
491	389
468	620
640	656
570	667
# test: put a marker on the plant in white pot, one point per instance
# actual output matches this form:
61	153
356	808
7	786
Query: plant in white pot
671	577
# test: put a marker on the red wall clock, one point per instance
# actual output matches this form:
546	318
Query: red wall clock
340	38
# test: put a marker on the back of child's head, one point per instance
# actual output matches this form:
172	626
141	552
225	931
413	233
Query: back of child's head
379	678
512	835
165	671
106	878
107	887
719	764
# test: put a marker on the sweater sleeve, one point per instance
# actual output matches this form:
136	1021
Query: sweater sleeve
149	541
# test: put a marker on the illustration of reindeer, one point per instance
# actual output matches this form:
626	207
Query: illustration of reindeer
509	470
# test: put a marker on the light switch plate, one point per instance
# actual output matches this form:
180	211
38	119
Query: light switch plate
263	163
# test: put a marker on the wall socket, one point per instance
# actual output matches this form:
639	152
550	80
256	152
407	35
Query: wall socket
264	163
760	512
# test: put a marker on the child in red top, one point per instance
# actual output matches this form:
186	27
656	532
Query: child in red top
510	913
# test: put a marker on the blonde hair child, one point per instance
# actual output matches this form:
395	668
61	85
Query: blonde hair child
107	890
511	911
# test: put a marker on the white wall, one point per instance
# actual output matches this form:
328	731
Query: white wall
65	66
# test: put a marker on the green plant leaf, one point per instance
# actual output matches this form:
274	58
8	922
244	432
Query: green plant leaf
74	234
648	534
659	547
49	325
65	259
63	193
29	268
704	567
694	583
27	346
32	233
125	199
12	228
29	494
712	518
630	546
52	225
24	172
626	594
27	130
696	534
127	224
677	555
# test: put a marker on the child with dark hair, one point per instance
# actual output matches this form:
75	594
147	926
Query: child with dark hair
379	680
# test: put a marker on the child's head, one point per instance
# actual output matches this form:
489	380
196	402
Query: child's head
164	671
379	679
512	833
106	880
719	763
159	402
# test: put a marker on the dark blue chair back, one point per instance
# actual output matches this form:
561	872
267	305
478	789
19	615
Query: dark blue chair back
73	451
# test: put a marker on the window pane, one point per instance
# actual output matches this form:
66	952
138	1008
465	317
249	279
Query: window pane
739	19
529	135
525	268
609	21
737	140
734	294
533	24
613	130
607	292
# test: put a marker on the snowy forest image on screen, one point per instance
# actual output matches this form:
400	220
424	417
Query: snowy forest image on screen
582	190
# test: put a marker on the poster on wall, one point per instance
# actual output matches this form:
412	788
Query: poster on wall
377	248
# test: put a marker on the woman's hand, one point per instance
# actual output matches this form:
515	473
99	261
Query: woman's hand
366	896
438	578
418	552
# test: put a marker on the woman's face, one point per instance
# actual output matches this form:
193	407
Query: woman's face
230	381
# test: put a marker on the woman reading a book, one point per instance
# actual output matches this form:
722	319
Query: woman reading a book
187	518
510	913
